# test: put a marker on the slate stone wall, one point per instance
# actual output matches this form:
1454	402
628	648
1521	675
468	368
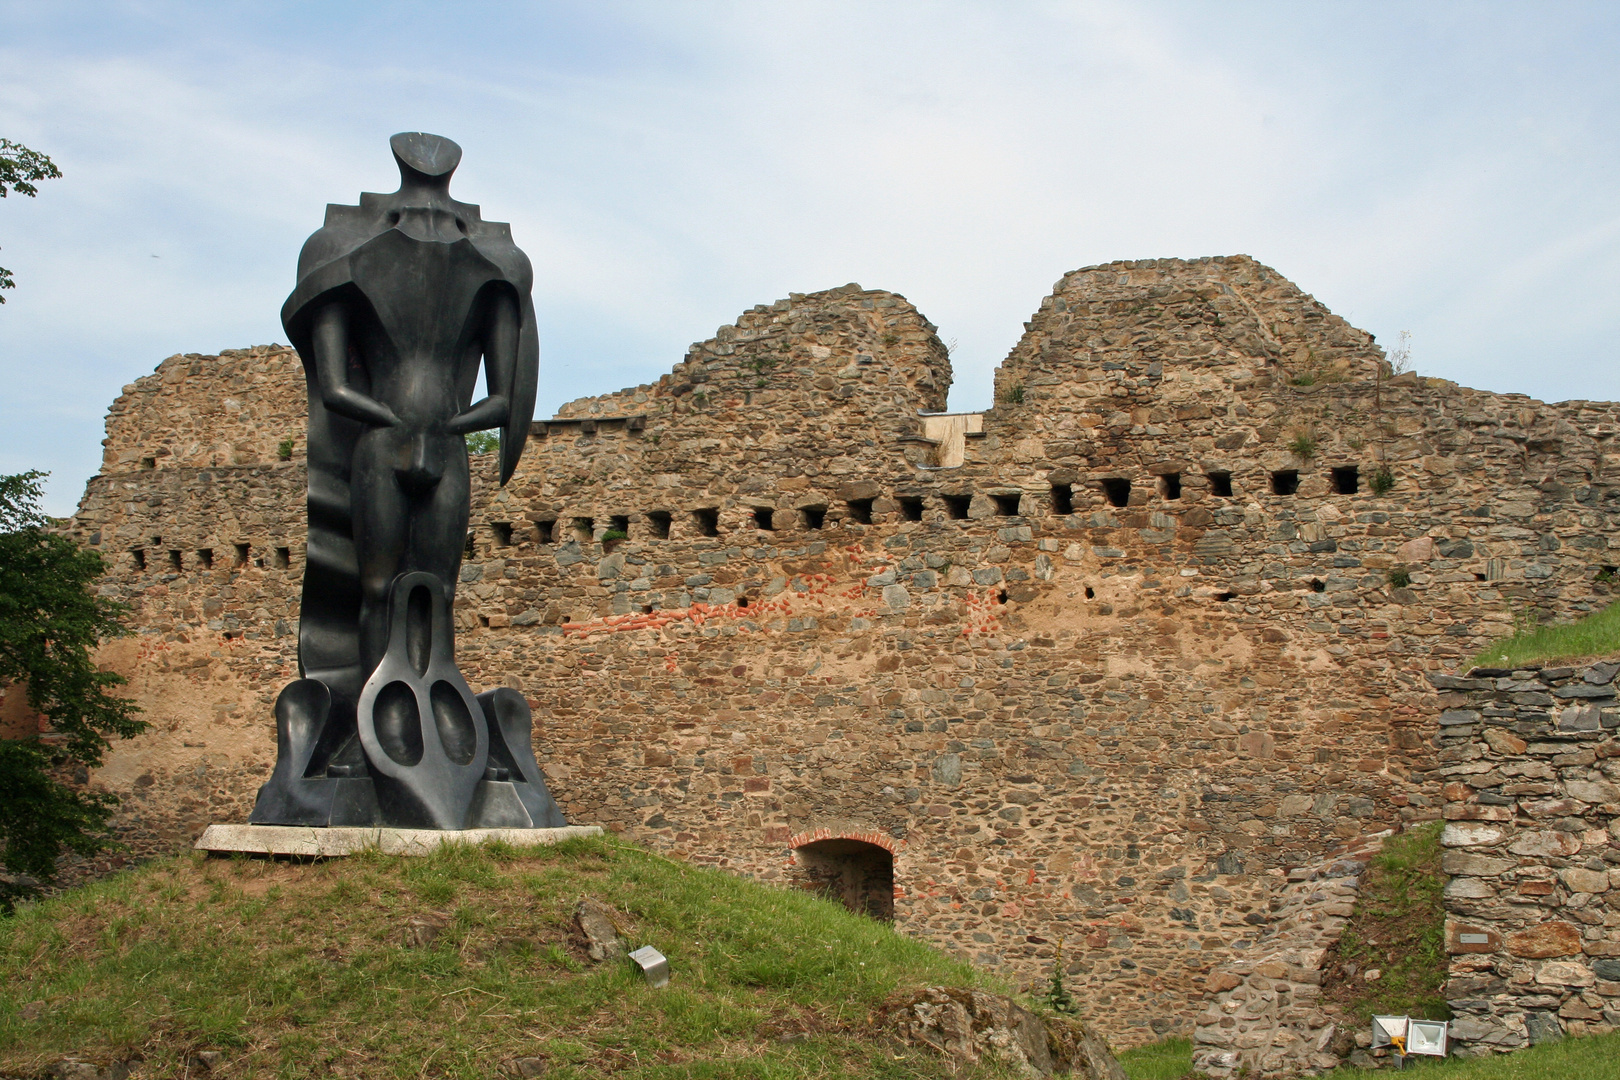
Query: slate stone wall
1531	771
1092	714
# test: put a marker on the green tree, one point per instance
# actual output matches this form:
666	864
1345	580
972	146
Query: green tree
51	617
19	168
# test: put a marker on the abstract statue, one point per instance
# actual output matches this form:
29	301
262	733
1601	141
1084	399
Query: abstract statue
398	302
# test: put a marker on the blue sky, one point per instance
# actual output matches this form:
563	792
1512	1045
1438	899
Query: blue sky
1448	169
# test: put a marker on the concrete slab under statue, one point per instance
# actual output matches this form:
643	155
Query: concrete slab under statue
330	843
400	302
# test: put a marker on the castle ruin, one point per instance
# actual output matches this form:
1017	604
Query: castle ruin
1094	666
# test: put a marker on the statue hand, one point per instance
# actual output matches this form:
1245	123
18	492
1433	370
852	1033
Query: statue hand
347	401
489	413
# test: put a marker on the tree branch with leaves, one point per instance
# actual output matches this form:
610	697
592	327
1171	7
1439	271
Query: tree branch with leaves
51	620
19	168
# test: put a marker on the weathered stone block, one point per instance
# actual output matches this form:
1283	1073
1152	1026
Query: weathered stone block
1545	940
1545	843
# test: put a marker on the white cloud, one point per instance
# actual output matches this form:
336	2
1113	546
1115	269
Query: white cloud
667	166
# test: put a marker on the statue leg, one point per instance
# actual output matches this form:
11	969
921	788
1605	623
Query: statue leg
438	533
381	517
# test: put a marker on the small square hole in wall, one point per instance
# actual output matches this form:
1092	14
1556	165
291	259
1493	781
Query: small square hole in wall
860	510
546	531
814	516
911	508
1062	499
148	462
620	523
707	521
584	529
468	547
157	541
1117	490
174	560
282	558
242	553
956	506
1006	505
762	517
658	522
1346	480
1285	482
137	556
502	531
1170	485
1220	484
206	557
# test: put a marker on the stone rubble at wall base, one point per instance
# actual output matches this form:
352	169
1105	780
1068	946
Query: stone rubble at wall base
1264	1018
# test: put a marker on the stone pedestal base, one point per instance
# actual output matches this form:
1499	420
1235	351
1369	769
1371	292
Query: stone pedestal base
329	843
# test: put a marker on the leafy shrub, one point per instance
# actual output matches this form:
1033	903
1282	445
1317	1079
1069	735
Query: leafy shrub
1383	481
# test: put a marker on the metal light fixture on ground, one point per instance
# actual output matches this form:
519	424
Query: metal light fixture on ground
1386	1029
1428	1037
653	965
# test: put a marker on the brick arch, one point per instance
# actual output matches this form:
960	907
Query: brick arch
865	836
855	867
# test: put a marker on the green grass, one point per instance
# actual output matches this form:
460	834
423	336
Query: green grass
1398	928
1596	635
1167	1060
1593	1058
1596	1057
296	970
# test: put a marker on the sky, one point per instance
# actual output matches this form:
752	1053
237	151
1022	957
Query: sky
1444	169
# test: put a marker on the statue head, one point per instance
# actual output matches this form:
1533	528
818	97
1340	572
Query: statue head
425	160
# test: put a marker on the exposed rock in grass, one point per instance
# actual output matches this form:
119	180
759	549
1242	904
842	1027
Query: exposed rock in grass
597	924
972	1025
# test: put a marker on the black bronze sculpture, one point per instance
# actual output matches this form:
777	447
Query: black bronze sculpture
398	302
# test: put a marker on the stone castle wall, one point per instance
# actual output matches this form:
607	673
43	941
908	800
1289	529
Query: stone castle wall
1531	771
1157	633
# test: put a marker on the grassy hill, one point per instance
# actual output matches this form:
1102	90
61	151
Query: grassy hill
1596	635
462	964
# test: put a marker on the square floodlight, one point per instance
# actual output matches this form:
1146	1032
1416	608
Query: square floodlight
1426	1037
1386	1029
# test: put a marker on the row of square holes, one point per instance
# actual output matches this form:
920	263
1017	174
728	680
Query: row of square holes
1116	490
280	558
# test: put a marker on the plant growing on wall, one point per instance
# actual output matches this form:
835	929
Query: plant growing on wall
1057	996
51	617
1399	578
284	449
1383	481
1400	358
1303	446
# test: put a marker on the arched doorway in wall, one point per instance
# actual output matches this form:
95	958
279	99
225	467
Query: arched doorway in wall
855	872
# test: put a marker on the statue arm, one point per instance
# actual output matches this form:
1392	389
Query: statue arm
500	362
330	338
